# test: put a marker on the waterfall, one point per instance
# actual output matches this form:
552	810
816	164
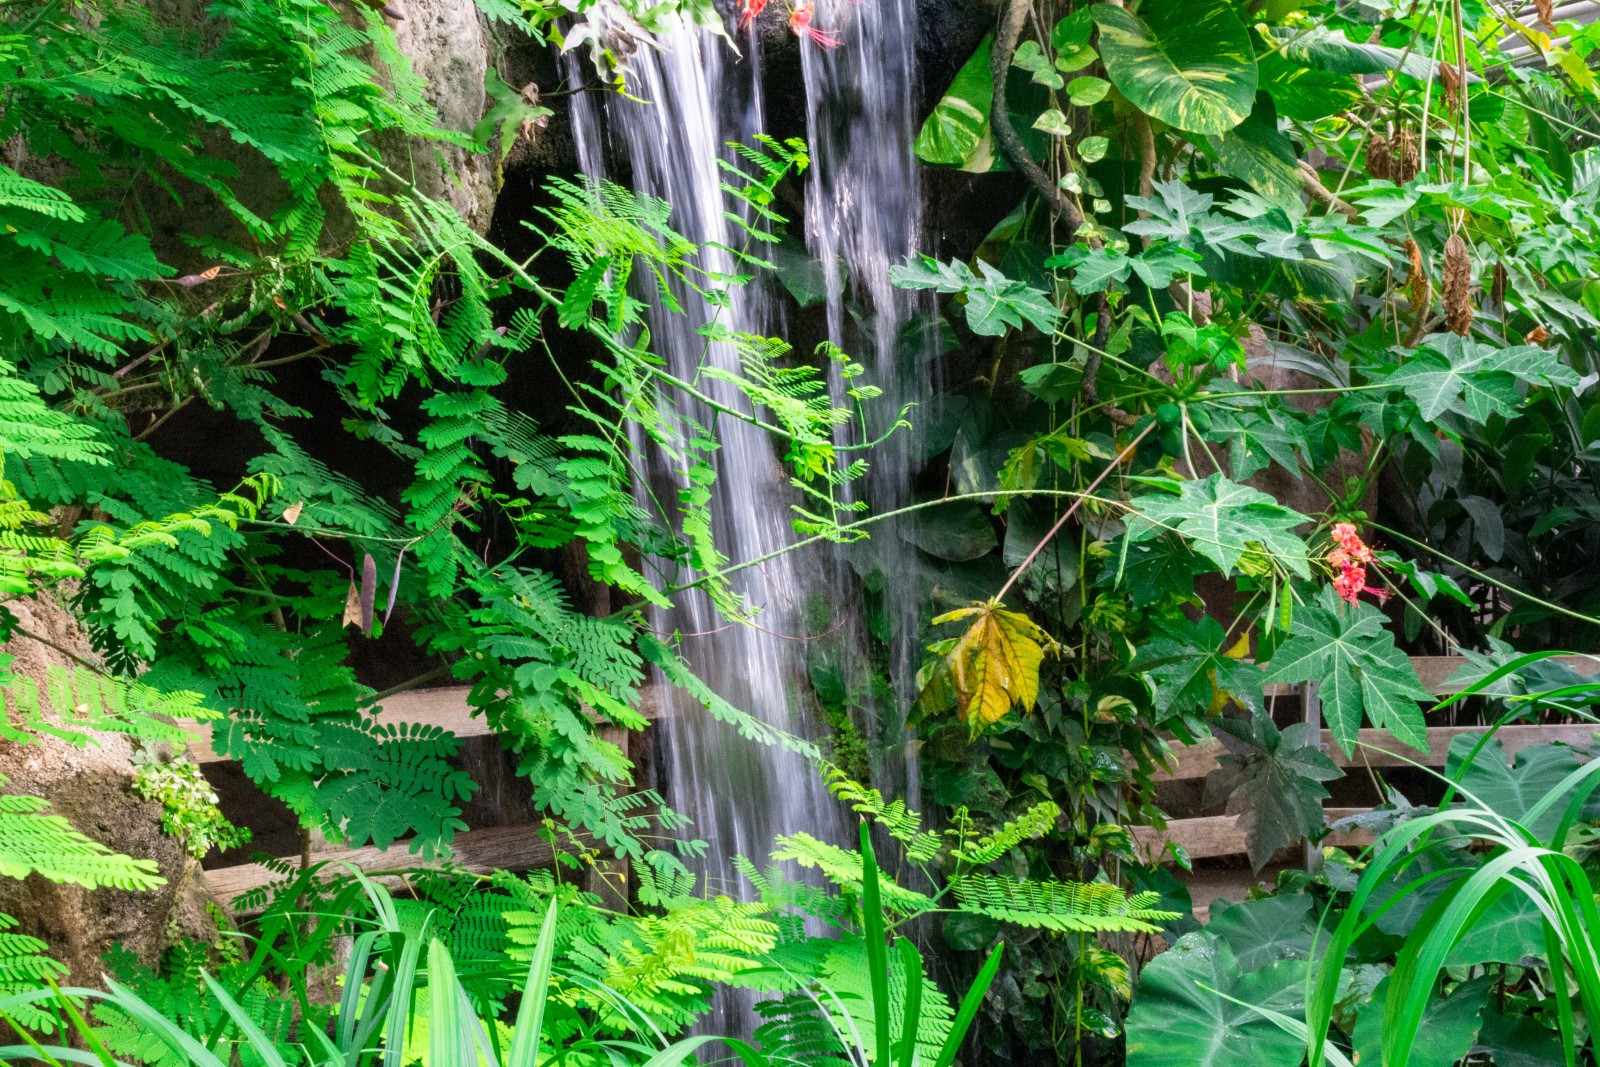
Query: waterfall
694	98
863	216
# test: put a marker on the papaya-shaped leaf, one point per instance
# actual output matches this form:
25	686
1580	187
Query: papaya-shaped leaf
1348	652
994	302
1273	781
956	134
994	666
1193	674
1221	520
1452	373
1188	63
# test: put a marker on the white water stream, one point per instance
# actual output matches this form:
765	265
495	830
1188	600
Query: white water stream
863	216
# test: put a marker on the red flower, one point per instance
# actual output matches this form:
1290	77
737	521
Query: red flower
800	17
1351	556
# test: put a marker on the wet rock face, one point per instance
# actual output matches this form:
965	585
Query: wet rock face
92	788
449	45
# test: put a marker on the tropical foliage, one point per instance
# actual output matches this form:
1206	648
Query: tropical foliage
1274	370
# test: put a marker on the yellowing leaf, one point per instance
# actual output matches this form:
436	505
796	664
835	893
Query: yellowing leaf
995	664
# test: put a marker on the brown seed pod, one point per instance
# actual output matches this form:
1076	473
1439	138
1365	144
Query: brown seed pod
1378	156
1497	285
1537	336
1404	159
1419	287
1457	286
1545	10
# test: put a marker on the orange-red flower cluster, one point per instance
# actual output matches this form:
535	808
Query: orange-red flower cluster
1351	557
800	17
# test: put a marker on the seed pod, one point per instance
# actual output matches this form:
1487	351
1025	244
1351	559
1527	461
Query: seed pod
1457	286
1419	287
1378	156
1497	285
1404	160
1545	10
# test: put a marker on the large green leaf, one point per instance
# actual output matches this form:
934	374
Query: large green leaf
1520	1041
1447	1032
1273	782
1264	931
994	302
1260	153
1221	519
1511	790
1346	650
1325	49
955	532
1304	93
1192	673
1510	931
1186	62
1175	1021
957	132
1451	373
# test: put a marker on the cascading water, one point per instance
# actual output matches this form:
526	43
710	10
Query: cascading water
739	794
864	216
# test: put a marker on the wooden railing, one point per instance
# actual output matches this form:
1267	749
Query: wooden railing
1205	837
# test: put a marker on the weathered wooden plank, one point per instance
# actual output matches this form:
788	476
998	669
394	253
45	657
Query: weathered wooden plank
445	707
513	848
1378	748
1434	672
1211	836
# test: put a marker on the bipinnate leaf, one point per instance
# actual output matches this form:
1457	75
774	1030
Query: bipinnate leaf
994	666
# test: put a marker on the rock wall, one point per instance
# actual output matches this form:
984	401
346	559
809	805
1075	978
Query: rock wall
92	788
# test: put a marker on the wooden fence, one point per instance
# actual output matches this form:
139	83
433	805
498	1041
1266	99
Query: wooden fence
1205	837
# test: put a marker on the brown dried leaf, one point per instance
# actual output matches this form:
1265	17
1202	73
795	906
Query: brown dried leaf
1546	12
190	280
352	606
291	514
1537	336
1405	161
1457	286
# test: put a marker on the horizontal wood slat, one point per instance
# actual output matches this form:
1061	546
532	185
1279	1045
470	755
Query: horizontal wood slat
1213	836
445	707
1378	748
512	848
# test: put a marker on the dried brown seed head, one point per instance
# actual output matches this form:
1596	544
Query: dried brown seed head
1378	156
1457	286
1419	288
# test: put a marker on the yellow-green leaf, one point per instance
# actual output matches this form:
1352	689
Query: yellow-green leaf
994	666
